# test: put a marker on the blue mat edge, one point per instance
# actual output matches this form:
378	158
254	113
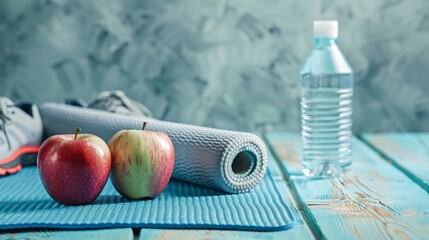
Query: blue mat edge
162	226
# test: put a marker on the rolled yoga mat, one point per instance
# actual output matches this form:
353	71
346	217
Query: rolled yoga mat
231	161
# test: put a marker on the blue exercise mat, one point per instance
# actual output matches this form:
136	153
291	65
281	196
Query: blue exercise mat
24	203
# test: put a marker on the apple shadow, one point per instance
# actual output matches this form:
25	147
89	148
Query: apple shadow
111	199
177	188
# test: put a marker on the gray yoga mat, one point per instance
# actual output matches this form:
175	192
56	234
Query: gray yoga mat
231	161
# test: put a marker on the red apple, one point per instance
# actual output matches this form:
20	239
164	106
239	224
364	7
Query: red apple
74	168
142	162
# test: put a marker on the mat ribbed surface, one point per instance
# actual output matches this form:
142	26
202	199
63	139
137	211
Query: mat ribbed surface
204	156
24	204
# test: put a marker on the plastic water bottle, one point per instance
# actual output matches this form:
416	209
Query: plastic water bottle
326	105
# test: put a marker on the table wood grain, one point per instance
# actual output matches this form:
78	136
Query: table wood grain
406	151
374	200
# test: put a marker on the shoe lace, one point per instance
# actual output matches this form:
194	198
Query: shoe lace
112	100
4	119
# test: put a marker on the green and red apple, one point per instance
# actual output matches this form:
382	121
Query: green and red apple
142	162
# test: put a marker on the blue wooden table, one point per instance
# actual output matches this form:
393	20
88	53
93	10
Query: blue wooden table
383	196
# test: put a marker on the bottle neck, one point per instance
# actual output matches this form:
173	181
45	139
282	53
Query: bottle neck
324	42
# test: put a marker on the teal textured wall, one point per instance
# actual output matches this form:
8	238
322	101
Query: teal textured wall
228	64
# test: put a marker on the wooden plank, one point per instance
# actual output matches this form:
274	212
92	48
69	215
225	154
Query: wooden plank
374	200
274	168
289	148
299	231
425	138
105	234
407	151
273	165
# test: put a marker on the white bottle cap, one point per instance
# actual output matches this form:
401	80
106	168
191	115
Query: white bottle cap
327	29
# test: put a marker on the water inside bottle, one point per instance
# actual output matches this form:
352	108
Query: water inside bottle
326	115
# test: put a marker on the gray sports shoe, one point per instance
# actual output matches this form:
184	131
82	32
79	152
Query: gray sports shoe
118	102
21	132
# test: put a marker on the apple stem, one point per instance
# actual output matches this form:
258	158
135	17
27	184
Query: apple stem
76	133
144	125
